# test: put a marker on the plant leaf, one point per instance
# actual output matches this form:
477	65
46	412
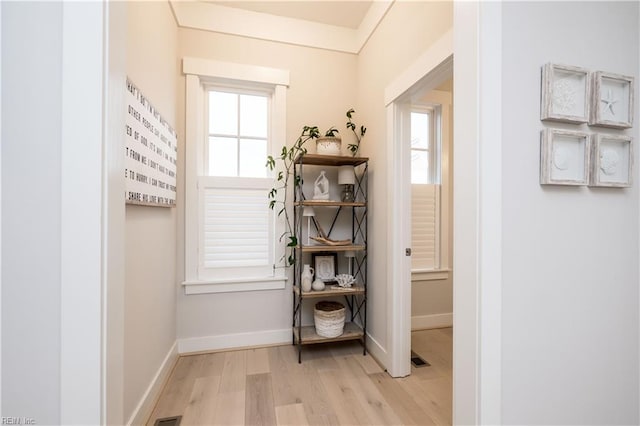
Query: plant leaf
271	163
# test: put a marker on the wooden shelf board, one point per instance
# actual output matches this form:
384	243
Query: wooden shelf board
316	203
352	331
328	292
330	160
326	248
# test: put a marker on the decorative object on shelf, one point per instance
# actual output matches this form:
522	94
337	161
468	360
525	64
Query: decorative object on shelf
345	280
286	172
325	266
611	160
347	178
564	157
318	285
329	242
321	187
329	144
308	212
612	101
328	318
565	93
350	255
353	148
306	278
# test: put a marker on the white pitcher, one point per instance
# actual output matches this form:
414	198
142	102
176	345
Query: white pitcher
307	277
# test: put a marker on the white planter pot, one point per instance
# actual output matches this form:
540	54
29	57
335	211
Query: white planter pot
329	145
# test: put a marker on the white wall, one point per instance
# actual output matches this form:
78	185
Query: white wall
321	90
31	234
150	262
53	100
570	255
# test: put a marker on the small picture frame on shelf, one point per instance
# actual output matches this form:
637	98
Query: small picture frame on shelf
612	160
612	101
564	157
325	266
565	93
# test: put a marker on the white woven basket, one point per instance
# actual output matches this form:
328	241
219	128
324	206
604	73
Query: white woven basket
329	318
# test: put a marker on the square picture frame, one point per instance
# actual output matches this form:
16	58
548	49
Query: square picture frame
566	92
611	160
325	266
564	157
612	100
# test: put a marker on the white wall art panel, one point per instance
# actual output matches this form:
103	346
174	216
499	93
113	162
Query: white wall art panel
150	153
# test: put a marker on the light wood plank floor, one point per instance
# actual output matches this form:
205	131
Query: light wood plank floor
334	385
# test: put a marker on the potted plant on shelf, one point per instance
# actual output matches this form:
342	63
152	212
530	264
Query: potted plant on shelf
284	178
329	144
359	135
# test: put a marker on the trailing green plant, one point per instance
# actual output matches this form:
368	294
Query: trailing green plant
354	147
285	175
331	133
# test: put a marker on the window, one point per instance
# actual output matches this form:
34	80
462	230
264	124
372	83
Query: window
425	187
229	229
238	133
425	149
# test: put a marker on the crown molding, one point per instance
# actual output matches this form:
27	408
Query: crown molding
263	26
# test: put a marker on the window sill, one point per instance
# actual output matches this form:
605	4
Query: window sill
429	274
233	285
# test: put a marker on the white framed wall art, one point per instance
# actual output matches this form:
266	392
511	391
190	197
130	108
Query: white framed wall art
612	101
565	93
564	157
611	160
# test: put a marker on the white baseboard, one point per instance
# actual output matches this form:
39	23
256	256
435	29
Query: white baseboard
377	351
238	340
148	400
432	321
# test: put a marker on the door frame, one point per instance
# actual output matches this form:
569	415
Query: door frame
476	42
431	69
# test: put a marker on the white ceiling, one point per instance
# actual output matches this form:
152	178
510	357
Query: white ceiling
343	26
347	14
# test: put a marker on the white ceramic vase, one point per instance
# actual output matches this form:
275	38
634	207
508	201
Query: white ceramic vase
306	279
318	285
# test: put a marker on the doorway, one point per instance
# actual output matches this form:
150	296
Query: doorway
399	125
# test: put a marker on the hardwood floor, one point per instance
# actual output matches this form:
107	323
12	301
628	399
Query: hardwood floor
334	385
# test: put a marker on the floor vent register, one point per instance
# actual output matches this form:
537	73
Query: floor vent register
417	361
168	421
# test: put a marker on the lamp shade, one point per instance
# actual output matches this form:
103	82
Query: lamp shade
346	175
349	253
307	211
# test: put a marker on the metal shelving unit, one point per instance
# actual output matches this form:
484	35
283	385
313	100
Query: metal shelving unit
356	212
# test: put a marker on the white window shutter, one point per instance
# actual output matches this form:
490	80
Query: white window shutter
237	228
425	233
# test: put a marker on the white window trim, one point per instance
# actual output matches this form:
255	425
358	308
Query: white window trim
418	275
201	73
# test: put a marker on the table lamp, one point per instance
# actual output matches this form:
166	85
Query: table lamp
347	177
308	212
